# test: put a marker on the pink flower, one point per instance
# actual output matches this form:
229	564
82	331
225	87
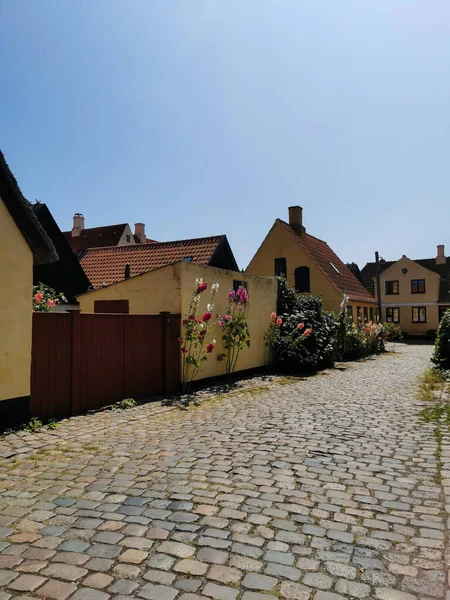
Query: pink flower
273	317
307	332
209	348
51	303
228	317
184	350
300	326
179	340
202	287
191	317
279	321
242	295
206	317
220	323
231	295
38	297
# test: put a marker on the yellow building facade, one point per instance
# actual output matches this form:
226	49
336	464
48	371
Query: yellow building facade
15	309
310	266
20	248
170	289
410	297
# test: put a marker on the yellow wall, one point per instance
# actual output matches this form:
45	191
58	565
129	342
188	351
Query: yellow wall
148	294
279	244
170	289
262	302
16	276
405	300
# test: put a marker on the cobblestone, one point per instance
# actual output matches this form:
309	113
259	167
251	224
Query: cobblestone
317	489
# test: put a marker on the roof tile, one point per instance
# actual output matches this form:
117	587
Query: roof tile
324	258
104	266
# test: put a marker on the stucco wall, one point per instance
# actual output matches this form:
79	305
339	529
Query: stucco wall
262	302
170	289
405	300
148	294
123	239
16	266
278	244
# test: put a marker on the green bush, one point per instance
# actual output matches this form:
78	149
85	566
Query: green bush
441	356
359	340
298	348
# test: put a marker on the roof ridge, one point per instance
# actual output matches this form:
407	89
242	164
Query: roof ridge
155	244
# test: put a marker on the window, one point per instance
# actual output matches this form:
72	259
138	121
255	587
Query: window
302	284
417	286
393	315
280	267
128	238
237	284
371	313
359	312
419	314
366	314
335	268
391	287
350	312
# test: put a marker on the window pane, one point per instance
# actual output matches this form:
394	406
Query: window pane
280	267
302	283
350	311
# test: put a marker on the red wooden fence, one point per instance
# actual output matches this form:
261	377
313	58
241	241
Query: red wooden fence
85	361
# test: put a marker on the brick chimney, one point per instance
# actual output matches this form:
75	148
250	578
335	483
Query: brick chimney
139	232
441	258
78	224
296	219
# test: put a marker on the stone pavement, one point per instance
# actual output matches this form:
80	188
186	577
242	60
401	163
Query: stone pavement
323	488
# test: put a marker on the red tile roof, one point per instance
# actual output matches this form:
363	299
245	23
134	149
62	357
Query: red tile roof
107	265
324	258
95	237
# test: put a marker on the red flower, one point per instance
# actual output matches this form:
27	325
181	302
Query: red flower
191	317
179	340
51	303
206	317
209	348
38	297
184	350
185	322
279	321
307	332
300	326
273	317
202	287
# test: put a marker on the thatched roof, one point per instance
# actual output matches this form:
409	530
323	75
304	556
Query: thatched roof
20	210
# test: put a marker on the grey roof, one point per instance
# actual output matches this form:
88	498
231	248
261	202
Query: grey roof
20	210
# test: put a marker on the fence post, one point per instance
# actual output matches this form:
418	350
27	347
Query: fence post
75	404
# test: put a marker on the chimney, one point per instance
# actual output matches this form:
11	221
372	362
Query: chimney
78	224
440	258
296	219
127	271
139	232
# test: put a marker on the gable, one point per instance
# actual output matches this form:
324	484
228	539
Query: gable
66	275
20	210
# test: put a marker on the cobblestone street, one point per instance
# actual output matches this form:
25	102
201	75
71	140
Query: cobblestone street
322	488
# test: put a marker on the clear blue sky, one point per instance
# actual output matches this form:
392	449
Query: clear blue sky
201	117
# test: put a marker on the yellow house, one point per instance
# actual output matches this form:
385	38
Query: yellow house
23	242
311	266
170	288
414	293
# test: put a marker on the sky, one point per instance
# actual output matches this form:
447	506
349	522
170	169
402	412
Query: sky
205	117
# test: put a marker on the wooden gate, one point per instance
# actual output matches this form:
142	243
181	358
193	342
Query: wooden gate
86	361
